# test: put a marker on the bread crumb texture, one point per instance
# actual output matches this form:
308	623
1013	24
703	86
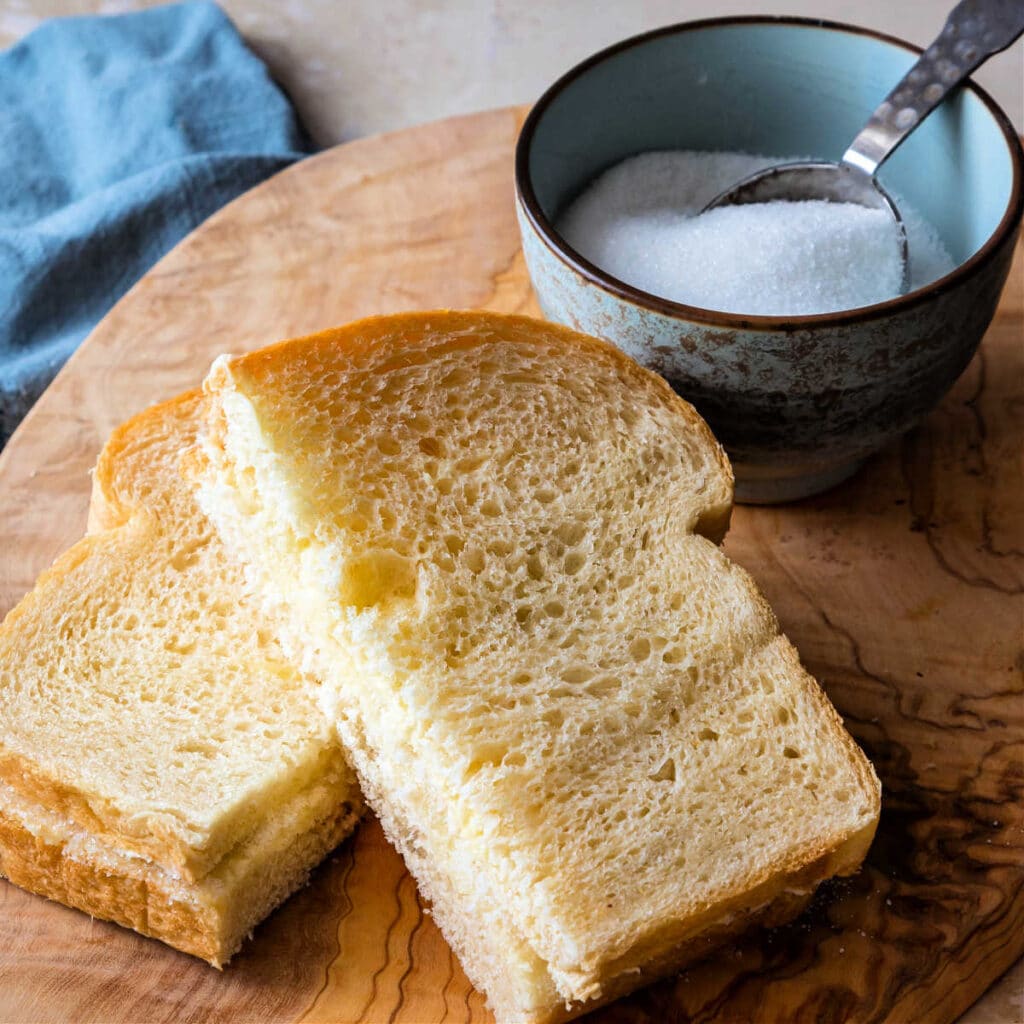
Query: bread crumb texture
152	731
495	541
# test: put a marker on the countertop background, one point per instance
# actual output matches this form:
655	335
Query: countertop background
357	67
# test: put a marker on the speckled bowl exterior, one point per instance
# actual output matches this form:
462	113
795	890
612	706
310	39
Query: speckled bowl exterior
799	403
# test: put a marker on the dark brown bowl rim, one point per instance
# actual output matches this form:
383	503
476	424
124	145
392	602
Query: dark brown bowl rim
547	233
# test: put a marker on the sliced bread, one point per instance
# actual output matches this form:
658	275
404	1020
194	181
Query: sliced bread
162	764
495	541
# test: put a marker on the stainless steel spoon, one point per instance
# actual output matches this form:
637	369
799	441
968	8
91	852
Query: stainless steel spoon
974	31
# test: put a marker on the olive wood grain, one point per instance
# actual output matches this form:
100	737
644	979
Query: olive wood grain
903	590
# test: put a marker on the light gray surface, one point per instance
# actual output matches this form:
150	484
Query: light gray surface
356	67
393	63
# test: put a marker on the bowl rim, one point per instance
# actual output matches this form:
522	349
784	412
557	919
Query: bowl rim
546	231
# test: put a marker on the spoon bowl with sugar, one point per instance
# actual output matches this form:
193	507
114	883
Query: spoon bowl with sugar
974	31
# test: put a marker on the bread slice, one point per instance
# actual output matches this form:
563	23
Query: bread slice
495	540
162	764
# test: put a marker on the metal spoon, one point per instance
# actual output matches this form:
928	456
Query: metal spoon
974	31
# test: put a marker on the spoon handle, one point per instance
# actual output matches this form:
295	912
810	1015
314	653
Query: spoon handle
974	30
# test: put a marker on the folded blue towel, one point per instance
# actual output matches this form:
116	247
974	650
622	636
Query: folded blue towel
118	135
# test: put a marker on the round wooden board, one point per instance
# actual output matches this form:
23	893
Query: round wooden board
903	590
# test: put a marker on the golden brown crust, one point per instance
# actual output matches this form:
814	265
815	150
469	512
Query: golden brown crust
362	336
122	466
144	906
139	896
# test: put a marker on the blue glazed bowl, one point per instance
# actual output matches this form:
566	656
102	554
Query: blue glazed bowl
798	402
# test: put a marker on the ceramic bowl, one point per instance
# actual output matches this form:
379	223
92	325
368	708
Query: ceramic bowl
798	402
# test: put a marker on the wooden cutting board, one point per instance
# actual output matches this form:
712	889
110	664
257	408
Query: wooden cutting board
903	590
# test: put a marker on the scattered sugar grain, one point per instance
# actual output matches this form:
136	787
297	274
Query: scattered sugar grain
638	222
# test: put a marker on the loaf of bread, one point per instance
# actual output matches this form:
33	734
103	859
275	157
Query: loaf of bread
162	764
495	541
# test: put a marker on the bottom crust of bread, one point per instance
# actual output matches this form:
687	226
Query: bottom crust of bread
776	903
208	919
770	905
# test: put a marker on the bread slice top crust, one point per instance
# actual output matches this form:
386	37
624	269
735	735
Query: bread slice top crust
142	697
500	535
460	361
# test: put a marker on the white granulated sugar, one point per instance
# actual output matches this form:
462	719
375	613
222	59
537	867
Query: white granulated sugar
638	222
772	258
929	257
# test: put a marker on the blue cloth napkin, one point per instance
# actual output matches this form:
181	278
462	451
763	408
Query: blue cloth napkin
118	135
